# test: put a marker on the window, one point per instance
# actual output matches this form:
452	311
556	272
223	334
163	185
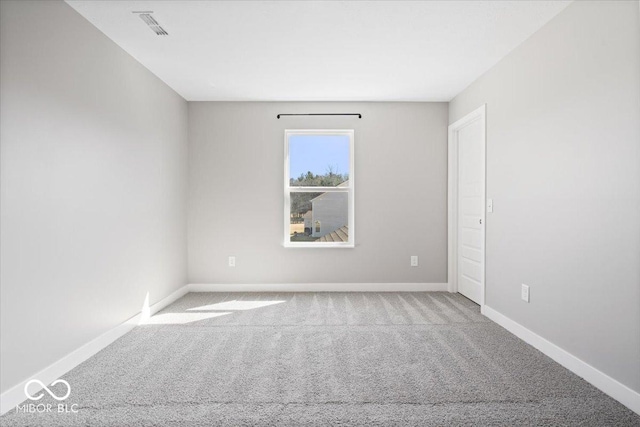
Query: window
319	188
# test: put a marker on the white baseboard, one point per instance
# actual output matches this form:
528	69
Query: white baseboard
15	395
610	386
319	287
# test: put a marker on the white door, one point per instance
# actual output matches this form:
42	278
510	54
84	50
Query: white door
470	139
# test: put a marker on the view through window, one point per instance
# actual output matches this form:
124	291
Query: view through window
319	187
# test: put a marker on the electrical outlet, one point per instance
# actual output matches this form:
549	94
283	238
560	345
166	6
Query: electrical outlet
232	261
525	293
414	260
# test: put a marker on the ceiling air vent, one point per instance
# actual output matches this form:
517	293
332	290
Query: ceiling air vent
152	23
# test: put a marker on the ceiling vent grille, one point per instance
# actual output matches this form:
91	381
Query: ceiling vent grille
152	23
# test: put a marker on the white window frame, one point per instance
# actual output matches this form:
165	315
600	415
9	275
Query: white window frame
350	190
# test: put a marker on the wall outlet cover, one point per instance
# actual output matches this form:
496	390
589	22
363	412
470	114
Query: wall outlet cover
525	293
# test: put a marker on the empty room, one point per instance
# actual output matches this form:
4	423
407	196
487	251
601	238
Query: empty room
318	213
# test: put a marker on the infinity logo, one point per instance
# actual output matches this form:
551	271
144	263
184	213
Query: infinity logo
52	394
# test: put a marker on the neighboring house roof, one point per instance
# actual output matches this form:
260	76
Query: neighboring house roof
344	184
339	235
308	214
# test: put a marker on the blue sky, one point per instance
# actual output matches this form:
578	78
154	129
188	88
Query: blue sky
316	152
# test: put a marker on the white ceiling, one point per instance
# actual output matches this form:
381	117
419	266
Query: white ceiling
320	50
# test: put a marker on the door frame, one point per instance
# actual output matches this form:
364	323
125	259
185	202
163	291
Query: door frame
454	129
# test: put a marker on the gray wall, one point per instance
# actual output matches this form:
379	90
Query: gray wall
236	166
93	185
563	169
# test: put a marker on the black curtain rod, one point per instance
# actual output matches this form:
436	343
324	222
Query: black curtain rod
322	114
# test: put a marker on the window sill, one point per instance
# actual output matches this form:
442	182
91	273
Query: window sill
319	245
